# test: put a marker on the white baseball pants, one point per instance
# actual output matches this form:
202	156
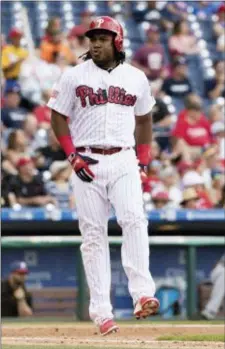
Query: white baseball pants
218	292
117	183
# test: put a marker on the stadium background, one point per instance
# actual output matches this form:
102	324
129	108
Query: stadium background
59	266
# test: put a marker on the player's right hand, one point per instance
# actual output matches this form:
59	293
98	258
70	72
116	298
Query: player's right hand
80	165
143	173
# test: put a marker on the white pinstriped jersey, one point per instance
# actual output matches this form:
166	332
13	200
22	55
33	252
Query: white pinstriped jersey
101	106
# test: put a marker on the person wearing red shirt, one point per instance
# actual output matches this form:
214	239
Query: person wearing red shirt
192	130
42	112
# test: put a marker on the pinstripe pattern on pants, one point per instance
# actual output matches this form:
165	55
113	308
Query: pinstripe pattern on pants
117	183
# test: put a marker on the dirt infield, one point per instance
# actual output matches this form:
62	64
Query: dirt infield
130	336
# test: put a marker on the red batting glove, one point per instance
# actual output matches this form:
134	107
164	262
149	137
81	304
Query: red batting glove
80	165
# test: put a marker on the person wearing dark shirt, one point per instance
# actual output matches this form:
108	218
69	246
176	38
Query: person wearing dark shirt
177	85
215	87
5	188
16	301
13	115
160	114
27	187
47	155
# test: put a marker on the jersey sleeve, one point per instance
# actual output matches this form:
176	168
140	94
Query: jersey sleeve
63	95
145	101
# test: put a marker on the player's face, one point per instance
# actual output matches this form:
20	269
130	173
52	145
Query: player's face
19	279
101	48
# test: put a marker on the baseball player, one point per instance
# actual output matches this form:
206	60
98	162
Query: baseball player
97	108
218	291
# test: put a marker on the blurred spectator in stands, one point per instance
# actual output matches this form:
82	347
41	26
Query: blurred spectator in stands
215	87
218	182
221	204
192	130
182	42
36	137
29	188
183	167
150	58
178	84
59	65
6	174
79	43
59	186
16	301
172	12
218	132
56	44
208	162
220	46
189	199
160	199
170	178
161	115
13	55
152	176
119	7
85	20
204	9
216	113
54	24
192	179
219	25
175	10
12	114
155	150
42	112
45	156
17	147
38	76
152	12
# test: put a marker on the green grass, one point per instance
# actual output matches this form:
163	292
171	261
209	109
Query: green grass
194	338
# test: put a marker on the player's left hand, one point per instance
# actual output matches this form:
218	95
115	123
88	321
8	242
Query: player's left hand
143	173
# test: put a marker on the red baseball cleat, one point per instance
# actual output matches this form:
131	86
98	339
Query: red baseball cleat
107	327
145	307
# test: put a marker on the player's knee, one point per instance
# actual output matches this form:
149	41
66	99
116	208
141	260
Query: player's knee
132	220
92	243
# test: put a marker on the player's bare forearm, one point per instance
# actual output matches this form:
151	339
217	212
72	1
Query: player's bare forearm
23	308
143	129
59	124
